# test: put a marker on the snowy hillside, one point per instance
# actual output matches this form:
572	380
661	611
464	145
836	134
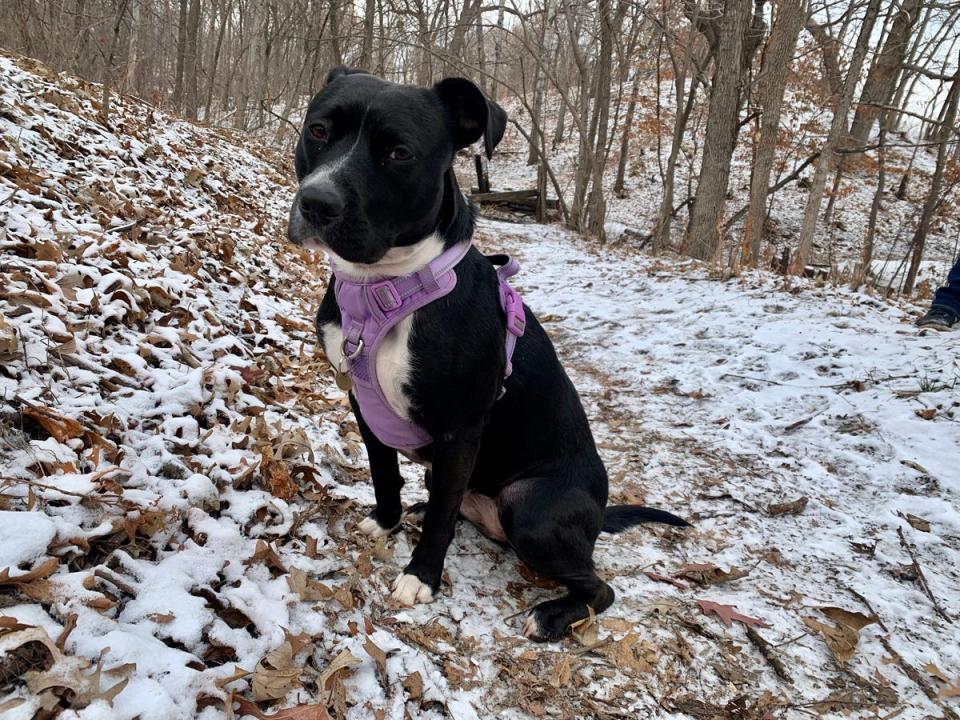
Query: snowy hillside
180	480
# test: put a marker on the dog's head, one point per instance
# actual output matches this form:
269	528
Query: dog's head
375	159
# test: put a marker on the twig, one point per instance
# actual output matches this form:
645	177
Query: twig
924	684
921	577
769	655
595	646
115	580
866	602
791	640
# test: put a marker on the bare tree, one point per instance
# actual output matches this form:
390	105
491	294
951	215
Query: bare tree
790	15
838	131
934	198
729	31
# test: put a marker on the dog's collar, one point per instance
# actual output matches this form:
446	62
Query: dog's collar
370	308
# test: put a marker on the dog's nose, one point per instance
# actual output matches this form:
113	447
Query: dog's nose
320	203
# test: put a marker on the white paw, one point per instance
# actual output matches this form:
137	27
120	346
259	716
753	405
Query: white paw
369	526
531	628
409	590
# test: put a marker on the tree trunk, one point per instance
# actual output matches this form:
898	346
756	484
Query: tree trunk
369	18
81	32
130	80
215	62
726	32
933	199
539	88
597	207
838	131
862	269
881	80
336	43
108	69
618	187
191	64
771	86
181	54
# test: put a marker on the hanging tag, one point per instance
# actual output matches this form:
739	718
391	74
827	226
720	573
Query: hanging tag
344	382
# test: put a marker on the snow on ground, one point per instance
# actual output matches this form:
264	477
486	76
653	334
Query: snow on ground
186	479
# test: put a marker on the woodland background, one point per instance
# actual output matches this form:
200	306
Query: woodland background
738	102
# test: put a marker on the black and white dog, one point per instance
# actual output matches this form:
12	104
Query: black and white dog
378	193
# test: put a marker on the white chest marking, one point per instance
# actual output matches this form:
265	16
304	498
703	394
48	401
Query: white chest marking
392	360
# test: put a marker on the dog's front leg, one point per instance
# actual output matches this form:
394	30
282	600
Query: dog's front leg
453	460
385	473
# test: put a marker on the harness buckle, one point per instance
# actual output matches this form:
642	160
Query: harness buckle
513	307
386	295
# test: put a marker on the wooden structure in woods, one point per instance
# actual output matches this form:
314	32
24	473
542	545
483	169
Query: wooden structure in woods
534	201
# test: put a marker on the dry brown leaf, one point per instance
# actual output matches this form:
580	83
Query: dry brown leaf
59	427
343	596
306	587
939	674
854	620
788	508
9	624
621	655
842	639
381	551
45	569
9	341
297	712
561	673
728	614
927	413
344	660
267	555
276	675
162	618
67	675
379	658
414	686
587	630
917	523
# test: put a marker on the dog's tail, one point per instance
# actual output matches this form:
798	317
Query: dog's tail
617	518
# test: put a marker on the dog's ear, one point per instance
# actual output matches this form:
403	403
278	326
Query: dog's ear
473	115
342	70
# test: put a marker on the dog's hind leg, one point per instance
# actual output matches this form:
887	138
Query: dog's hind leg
553	530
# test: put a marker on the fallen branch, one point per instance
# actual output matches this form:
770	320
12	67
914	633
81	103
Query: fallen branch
866	602
115	580
924	684
921	577
768	653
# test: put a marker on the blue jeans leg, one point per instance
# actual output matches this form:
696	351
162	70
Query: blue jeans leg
949	295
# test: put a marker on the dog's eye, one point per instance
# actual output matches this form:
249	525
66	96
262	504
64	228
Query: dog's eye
318	131
399	153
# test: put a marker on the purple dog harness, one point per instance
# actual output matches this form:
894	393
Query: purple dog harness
369	309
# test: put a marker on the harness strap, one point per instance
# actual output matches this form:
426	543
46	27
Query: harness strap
370	308
511	303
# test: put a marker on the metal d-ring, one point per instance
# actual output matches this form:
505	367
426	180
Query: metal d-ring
346	357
